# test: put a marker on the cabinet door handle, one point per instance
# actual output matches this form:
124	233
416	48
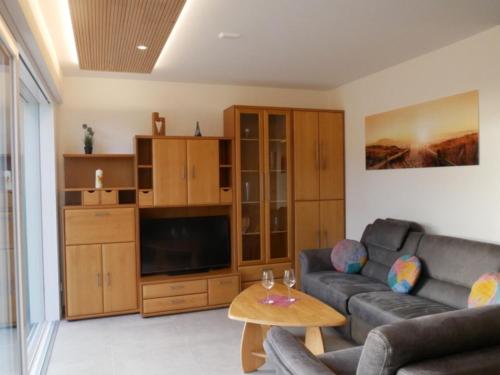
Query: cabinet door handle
317	156
322	155
108	279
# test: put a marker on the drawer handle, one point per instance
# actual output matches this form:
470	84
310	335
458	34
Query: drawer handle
108	191
102	214
177	301
177	287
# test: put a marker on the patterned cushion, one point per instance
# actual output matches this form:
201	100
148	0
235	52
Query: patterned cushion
349	256
404	274
485	291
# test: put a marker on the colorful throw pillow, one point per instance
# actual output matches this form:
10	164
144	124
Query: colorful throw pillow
404	274
349	256
485	291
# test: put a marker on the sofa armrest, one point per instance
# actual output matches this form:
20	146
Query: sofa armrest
393	346
289	356
315	260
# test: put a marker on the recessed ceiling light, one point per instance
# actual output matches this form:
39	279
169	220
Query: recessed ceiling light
223	35
142	47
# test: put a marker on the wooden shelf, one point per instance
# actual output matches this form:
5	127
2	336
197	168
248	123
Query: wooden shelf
144	166
251	234
225	166
95	156
100	189
153	279
249	139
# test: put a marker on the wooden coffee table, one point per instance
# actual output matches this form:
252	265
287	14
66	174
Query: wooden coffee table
306	312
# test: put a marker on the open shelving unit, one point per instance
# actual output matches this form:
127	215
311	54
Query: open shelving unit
118	179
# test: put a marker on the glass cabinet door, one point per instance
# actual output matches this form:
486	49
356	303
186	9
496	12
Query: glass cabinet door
249	130
278	181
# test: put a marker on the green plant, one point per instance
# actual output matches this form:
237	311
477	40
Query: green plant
88	135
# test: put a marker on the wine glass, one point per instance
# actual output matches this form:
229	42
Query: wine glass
289	280
268	283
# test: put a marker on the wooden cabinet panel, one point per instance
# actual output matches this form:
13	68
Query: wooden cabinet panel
169	172
174	289
254	273
83	280
306	155
332	222
203	169
93	226
166	304
331	145
307	229
119	275
222	290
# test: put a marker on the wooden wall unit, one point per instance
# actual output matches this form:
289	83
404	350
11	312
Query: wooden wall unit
100	237
271	164
318	179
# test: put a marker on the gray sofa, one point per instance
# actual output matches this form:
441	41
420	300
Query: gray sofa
449	268
463	342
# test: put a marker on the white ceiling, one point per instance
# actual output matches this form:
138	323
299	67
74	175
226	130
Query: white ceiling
316	44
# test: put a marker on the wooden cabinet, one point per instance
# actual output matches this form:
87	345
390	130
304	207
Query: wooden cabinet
100	262
169	172
203	167
170	295
318	179
84	280
263	183
185	172
318	155
119	276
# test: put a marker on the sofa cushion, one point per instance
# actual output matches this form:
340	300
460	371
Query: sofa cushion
349	256
485	290
404	274
335	288
378	308
388	234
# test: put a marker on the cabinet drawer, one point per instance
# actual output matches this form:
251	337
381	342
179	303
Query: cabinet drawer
174	303
109	197
254	273
145	198
88	226
174	289
223	290
226	195
91	198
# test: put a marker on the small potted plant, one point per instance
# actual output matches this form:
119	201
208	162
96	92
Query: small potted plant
88	138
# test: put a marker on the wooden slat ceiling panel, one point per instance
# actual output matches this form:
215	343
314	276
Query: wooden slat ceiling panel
107	32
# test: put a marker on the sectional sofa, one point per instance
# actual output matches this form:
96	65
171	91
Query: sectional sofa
449	268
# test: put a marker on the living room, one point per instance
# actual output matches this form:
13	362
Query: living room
226	187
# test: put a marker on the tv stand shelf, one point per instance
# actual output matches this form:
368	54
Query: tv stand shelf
164	294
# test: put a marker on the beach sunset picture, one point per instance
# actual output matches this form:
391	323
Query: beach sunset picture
439	133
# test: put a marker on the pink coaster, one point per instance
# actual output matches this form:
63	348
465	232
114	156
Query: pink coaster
281	301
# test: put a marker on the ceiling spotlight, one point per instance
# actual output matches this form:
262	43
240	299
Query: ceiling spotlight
223	35
142	47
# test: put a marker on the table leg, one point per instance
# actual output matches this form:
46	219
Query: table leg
252	351
314	340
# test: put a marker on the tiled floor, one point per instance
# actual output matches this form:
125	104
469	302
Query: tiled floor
205	343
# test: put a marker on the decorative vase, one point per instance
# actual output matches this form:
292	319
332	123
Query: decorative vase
88	149
197	132
98	178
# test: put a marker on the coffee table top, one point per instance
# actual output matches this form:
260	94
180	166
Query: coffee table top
307	311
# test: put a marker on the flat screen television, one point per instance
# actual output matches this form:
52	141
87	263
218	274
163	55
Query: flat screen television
184	245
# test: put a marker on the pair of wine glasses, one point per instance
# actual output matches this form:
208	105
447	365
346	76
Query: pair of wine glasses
268	282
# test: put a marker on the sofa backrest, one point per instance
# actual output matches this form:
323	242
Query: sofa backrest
387	240
451	265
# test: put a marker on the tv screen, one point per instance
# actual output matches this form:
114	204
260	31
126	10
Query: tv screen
183	245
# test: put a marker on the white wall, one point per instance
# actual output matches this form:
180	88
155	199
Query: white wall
118	109
457	201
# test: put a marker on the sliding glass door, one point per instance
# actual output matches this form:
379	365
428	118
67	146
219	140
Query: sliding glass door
32	249
10	358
